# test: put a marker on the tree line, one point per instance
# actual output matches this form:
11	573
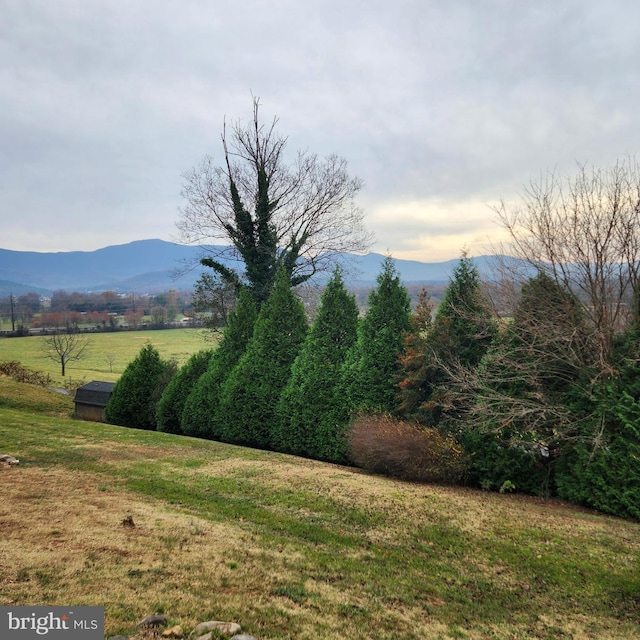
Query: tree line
106	309
460	396
529	383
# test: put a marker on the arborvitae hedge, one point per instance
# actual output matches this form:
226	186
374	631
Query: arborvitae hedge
200	415
169	411
463	327
372	369
251	392
418	366
137	392
601	469
307	424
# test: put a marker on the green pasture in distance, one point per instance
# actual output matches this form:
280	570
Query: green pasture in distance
108	353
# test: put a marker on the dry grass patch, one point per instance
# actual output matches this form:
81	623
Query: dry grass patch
63	540
29	397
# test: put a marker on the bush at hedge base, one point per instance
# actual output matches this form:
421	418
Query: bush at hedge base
382	444
495	462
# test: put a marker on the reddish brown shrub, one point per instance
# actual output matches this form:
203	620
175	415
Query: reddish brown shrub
382	444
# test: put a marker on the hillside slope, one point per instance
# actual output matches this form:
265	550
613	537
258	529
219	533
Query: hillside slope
293	548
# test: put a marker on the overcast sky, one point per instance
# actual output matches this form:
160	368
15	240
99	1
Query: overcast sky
441	107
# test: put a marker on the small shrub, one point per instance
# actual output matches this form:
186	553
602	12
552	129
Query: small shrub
19	373
495	464
507	487
383	444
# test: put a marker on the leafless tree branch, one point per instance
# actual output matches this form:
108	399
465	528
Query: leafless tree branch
64	348
584	231
314	212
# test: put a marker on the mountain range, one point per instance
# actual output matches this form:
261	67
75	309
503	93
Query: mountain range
153	266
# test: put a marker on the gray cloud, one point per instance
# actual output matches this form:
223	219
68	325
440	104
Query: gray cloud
440	107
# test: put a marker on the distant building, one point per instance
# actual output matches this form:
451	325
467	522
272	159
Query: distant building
91	399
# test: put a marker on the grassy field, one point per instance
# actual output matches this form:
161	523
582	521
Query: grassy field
108	353
288	547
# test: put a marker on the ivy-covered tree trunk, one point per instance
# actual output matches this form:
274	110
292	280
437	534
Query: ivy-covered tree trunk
254	237
271	214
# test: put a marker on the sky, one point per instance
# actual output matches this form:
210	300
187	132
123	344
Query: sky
442	107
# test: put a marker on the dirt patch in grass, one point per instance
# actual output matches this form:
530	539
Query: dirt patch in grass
63	540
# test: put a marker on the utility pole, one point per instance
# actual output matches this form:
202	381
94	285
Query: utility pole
13	315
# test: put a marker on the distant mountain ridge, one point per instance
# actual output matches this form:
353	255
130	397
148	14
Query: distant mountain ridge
140	267
151	266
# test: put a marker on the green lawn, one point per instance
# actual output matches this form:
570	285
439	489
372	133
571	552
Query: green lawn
108	353
289	547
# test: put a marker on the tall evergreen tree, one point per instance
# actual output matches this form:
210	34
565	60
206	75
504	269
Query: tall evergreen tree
200	415
172	401
537	360
251	392
459	336
601	468
521	415
137	392
306	424
373	368
418	366
463	327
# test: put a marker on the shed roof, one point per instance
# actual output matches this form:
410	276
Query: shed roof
95	393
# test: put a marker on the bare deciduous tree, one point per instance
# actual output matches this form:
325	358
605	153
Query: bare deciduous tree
213	298
584	232
158	315
63	348
300	215
543	352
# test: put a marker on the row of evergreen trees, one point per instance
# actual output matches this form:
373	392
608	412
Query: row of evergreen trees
520	395
533	399
275	383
